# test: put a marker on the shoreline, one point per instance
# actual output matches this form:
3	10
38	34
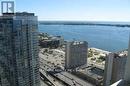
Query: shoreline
105	50
115	24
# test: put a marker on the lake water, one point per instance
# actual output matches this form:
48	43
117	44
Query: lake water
109	38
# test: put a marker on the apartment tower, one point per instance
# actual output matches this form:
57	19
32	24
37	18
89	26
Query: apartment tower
19	64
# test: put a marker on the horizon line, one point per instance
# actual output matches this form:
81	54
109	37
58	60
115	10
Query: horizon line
85	21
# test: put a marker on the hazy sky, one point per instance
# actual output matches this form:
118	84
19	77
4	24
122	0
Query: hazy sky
94	10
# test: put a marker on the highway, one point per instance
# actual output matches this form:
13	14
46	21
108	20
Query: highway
71	79
51	79
42	83
44	68
63	76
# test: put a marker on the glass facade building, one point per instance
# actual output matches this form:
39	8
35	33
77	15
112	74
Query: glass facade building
19	65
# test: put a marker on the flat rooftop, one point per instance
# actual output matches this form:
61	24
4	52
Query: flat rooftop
18	14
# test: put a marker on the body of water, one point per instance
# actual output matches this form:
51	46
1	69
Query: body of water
109	38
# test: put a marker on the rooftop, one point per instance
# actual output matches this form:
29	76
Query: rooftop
19	14
78	42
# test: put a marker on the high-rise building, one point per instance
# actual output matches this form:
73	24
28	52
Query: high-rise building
114	68
19	65
76	54
127	68
125	81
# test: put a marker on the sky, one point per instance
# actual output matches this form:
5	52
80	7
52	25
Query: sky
77	10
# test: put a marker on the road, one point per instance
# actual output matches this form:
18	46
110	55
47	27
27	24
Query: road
42	83
71	79
64	76
51	79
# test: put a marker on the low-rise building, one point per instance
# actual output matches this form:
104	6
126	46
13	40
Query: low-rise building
46	41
